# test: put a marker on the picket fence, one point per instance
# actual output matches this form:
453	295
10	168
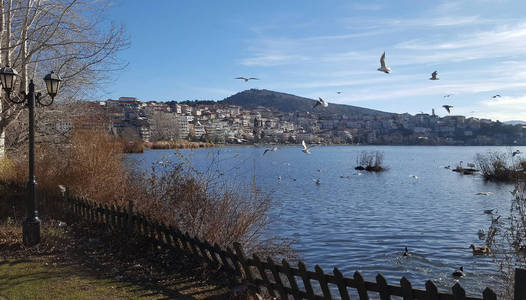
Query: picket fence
278	279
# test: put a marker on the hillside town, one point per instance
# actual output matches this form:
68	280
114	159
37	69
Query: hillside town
222	123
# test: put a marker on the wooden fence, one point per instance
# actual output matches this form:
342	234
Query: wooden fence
279	279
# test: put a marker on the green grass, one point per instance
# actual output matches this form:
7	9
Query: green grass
29	279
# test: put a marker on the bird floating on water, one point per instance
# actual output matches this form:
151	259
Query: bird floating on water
434	76
383	68
320	102
459	272
515	153
317	181
413	176
481	234
273	149
247	78
479	250
484	193
306	149
489	211
406	252
448	108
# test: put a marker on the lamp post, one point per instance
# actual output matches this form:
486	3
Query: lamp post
31	225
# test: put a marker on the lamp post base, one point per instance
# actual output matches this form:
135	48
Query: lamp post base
31	231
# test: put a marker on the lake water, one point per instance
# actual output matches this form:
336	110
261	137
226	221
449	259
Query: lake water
364	220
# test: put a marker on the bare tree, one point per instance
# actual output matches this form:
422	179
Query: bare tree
163	126
70	37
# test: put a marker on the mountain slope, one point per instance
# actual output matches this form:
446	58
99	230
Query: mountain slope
291	103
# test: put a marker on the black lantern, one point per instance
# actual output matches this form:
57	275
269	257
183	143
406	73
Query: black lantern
52	84
8	78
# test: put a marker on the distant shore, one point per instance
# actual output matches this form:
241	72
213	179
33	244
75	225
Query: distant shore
139	146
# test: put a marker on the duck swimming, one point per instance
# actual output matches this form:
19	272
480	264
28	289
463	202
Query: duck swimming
406	252
459	272
479	250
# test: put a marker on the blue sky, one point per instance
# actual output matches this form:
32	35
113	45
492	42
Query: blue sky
193	49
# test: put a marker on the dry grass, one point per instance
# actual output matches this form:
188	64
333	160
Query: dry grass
133	147
94	168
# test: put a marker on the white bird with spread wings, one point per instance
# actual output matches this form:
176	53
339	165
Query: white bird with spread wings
306	149
247	78
321	102
383	68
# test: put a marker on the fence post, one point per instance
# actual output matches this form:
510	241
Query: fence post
520	284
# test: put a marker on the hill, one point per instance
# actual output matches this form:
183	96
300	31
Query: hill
290	103
514	122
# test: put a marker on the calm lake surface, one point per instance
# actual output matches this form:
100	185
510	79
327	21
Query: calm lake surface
363	221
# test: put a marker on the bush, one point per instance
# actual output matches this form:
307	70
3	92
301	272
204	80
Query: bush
134	147
500	166
94	167
370	161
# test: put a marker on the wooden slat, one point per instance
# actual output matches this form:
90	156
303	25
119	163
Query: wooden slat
323	282
383	288
488	294
407	289
277	278
302	271
340	282
263	274
360	286
431	291
458	292
289	272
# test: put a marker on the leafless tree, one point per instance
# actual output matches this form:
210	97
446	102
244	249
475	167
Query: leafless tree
163	126
70	37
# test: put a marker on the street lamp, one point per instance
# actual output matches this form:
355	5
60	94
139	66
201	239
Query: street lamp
31	225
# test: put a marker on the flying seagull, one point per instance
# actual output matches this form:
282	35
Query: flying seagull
270	149
306	149
448	95
247	79
338	93
448	108
434	76
320	102
496	96
515	153
383	68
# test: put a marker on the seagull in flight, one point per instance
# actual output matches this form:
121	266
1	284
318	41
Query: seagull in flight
383	68
515	153
273	149
338	93
320	102
448	95
434	76
448	108
306	149
247	79
496	96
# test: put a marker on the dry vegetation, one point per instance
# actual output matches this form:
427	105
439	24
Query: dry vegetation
501	166
371	161
94	167
507	240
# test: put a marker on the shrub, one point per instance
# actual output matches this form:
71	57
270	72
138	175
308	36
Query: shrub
371	161
133	147
94	167
500	166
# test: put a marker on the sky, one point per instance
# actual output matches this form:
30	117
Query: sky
193	49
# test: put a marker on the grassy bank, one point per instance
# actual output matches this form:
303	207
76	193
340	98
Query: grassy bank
83	262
